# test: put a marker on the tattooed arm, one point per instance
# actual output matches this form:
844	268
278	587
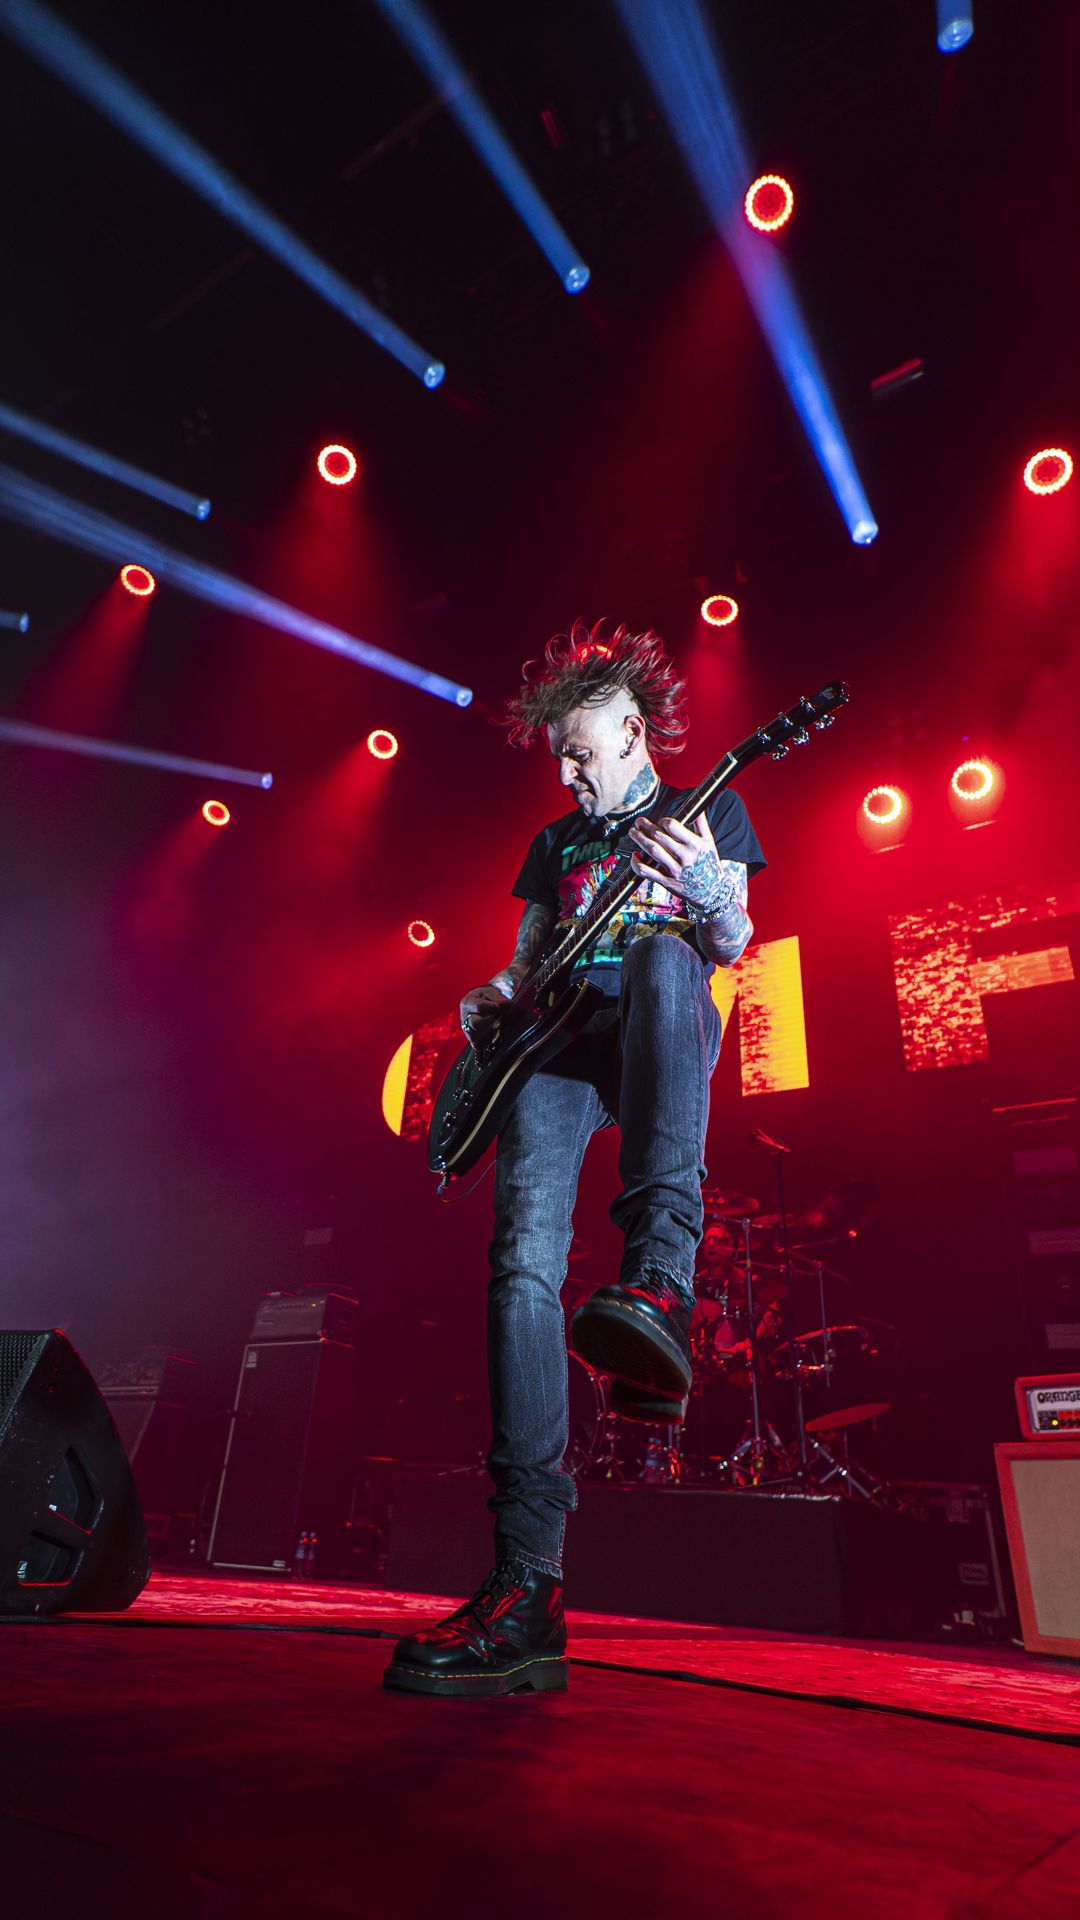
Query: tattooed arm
480	1007
728	929
685	861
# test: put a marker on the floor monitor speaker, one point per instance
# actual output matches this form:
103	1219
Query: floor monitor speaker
71	1529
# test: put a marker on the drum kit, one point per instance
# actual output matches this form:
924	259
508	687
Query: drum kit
771	1408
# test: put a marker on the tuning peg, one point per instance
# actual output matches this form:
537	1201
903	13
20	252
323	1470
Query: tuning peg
825	721
800	737
781	753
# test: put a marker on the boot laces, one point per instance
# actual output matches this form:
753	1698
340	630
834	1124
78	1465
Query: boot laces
500	1581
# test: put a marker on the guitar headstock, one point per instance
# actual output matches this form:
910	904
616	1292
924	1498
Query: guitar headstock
792	729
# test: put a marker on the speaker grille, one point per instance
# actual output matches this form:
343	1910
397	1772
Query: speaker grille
15	1351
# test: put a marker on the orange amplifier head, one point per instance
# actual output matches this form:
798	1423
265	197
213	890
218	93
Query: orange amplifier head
1049	1404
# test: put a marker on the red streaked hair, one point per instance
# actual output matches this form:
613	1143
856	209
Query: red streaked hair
582	669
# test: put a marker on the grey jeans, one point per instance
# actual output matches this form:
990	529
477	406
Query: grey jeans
643	1064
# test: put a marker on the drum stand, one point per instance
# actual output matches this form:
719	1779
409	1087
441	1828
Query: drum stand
761	1456
821	1462
815	1466
662	1466
855	1482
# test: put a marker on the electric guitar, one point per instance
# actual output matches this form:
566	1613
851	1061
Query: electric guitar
552	1003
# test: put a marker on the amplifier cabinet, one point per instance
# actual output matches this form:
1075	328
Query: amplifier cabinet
1040	1496
289	1461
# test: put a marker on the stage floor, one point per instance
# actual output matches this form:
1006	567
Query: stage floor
227	1748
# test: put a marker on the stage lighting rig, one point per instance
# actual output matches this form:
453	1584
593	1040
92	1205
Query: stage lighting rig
338	465
955	24
216	813
769	203
31	504
973	780
456	92
381	744
904	375
719	610
674	42
49	40
41	434
23	733
884	817
884	805
976	790
421	933
137	580
1048	471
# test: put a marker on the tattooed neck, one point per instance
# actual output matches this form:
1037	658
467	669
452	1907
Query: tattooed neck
640	787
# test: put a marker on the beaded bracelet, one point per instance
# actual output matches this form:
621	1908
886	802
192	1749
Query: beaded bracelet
700	915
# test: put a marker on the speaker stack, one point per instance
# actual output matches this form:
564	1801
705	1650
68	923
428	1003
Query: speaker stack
286	1485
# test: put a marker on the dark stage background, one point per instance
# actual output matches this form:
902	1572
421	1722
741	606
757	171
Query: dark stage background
197	1025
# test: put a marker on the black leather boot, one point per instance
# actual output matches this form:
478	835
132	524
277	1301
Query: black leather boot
656	1410
640	1333
510	1637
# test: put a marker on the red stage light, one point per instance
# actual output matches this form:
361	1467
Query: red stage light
337	465
769	203
1048	471
883	805
138	580
421	934
381	745
974	780
719	609
216	813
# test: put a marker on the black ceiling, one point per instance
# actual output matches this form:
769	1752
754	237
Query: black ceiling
548	475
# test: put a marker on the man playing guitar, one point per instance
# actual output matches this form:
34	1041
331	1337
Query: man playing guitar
609	709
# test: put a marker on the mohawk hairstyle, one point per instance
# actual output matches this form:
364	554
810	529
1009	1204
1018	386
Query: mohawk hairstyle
579	669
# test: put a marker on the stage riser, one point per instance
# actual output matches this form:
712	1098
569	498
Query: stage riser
795	1564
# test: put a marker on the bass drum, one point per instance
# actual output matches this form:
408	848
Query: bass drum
587	1397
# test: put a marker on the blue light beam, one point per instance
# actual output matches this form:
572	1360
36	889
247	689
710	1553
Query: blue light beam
22	734
432	52
676	49
29	503
17	622
71	58
955	24
40	434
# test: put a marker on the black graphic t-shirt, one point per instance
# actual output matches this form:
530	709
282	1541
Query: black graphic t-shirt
570	860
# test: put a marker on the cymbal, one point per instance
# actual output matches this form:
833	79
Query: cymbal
722	1204
840	1214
